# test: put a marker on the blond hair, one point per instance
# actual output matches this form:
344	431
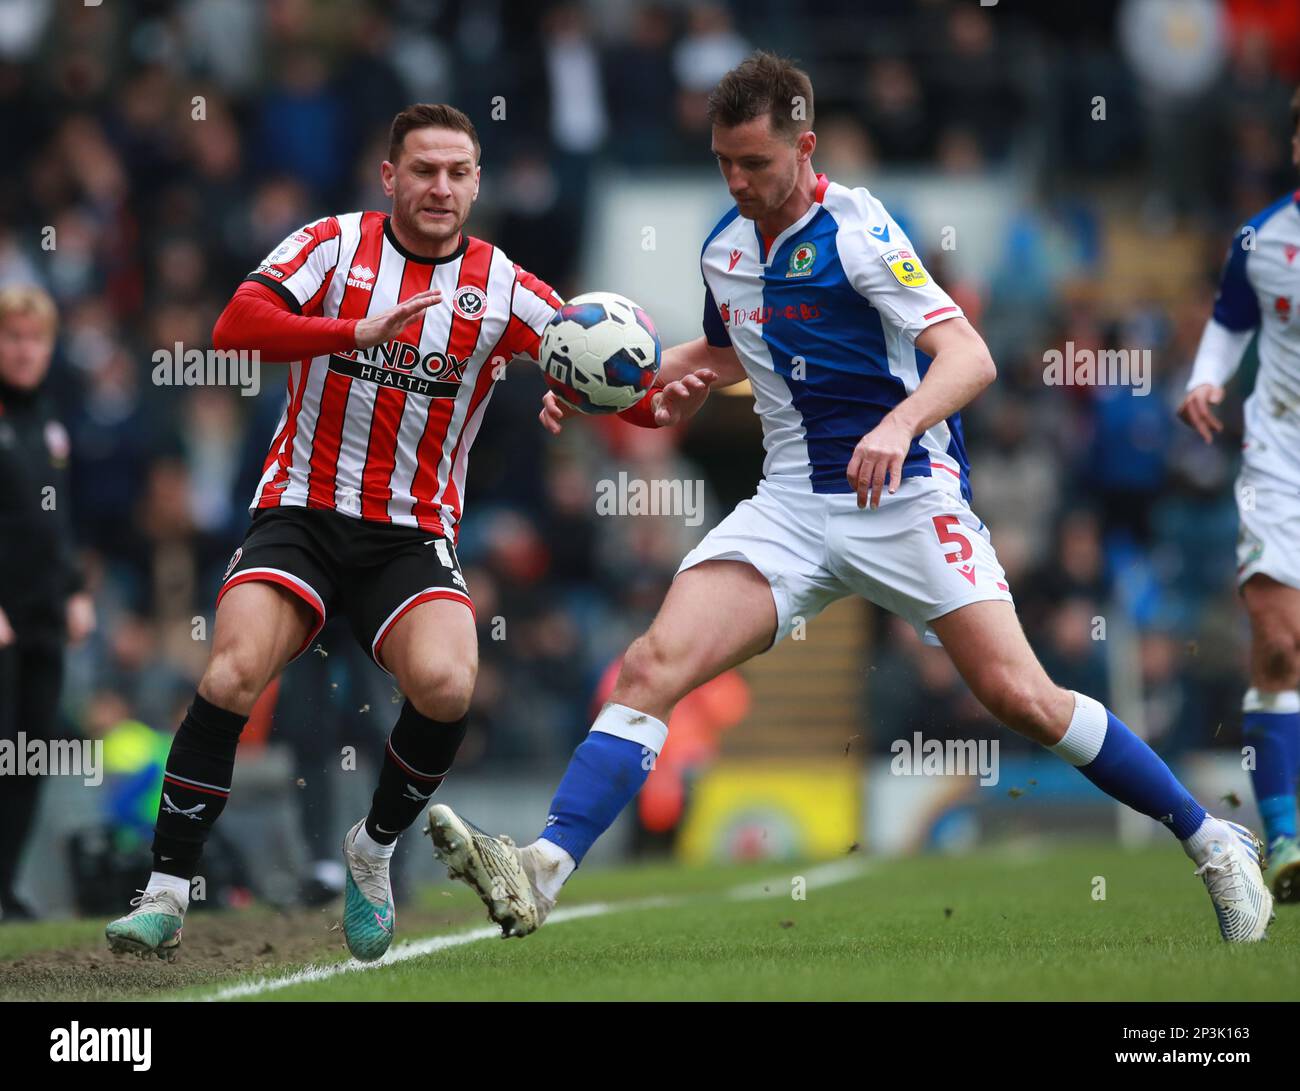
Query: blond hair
28	299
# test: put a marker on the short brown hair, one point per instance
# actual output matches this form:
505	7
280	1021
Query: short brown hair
429	115
764	83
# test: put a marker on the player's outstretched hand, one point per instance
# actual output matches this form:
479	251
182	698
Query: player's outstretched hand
681	400
553	412
678	401
1196	410
878	461
386	326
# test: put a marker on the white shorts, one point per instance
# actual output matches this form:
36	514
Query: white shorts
922	554
1268	531
1268	497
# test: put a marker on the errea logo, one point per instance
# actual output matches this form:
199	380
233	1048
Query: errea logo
361	276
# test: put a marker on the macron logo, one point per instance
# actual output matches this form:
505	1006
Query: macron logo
361	276
881	232
735	257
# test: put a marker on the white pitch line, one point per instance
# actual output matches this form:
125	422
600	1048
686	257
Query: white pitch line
837	871
821	876
401	952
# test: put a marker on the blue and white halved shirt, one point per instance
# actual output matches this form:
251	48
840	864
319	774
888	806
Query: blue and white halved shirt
824	319
1260	290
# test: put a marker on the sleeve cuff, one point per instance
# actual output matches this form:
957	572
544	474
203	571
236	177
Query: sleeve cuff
932	318
642	414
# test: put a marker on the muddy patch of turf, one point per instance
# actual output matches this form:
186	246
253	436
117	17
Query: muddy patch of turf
217	947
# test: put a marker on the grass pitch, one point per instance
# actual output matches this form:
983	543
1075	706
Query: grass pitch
994	925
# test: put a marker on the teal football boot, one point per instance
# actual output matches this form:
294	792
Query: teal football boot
368	913
153	927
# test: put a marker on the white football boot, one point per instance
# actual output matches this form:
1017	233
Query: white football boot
1230	865
501	873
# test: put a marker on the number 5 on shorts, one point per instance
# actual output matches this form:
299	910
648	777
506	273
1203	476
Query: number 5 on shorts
943	525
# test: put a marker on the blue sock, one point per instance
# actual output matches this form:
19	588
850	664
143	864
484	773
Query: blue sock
1105	751
604	774
1271	724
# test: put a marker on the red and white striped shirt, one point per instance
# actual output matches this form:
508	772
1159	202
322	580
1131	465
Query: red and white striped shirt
384	433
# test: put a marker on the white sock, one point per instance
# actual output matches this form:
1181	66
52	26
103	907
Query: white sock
1210	830
1082	740
627	723
1257	700
158	881
368	846
556	867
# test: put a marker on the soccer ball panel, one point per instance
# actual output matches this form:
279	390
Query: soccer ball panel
600	353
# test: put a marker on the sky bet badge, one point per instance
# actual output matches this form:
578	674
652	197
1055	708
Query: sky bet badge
802	260
907	268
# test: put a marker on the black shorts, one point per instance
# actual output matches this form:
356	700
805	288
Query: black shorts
373	572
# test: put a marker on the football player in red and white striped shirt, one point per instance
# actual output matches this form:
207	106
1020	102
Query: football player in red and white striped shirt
396	326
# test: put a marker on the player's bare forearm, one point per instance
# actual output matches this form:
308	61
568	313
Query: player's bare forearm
960	369
685	376
691	356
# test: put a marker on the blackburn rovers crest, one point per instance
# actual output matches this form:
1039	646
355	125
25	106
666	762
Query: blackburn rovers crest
802	260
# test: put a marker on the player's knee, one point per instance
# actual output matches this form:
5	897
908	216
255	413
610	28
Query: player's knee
647	667
440	690
234	680
1277	658
1025	706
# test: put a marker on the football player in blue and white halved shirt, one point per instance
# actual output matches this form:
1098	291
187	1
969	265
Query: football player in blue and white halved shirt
1259	293
859	364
